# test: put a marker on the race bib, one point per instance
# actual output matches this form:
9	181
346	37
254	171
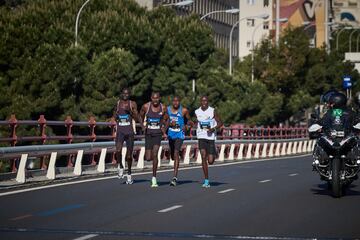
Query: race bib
205	125
124	120
153	123
175	128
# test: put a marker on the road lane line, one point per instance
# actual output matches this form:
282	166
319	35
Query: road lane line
293	174
170	209
227	190
145	173
265	181
21	217
86	237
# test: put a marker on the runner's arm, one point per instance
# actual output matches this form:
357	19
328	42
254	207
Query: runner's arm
143	111
219	123
134	111
115	110
165	121
186	115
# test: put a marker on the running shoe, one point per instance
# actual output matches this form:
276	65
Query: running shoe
120	173
154	182
206	184
129	180
173	182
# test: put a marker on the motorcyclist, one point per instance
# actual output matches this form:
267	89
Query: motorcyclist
337	118
322	108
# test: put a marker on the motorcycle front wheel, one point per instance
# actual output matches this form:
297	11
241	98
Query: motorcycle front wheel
335	182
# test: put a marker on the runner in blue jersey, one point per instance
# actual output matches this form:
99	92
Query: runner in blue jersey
176	132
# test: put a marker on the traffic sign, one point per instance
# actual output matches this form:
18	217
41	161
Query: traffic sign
347	82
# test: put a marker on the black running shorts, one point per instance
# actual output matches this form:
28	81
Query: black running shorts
208	145
175	144
127	138
152	140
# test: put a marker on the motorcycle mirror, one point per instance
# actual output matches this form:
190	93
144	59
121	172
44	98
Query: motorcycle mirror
357	126
315	128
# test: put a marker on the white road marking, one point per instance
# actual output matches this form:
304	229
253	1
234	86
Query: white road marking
293	174
144	173
227	190
86	237
265	181
170	209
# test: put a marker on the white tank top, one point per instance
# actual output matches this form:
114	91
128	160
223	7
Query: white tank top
206	121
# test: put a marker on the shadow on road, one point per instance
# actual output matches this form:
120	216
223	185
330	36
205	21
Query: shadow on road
214	184
325	189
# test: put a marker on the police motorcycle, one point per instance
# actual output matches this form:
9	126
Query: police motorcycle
336	154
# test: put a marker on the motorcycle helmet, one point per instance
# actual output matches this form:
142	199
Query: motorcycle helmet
326	96
338	100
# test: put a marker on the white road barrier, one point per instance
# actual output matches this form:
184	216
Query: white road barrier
230	150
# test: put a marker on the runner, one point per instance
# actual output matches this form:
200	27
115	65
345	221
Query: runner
176	132
125	112
208	123
155	121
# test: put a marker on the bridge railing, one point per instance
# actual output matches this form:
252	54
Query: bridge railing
101	131
103	152
70	132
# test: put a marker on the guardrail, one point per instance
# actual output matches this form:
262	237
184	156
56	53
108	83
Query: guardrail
90	131
238	149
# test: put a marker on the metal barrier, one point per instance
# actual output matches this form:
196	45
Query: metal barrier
42	127
228	150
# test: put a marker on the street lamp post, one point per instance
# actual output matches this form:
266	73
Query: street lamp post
338	35
232	11
262	16
230	45
179	4
357	43
77	21
277	27
252	51
350	37
253	46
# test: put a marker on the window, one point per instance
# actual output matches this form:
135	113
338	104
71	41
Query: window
266	25
251	2
266	3
250	22
248	44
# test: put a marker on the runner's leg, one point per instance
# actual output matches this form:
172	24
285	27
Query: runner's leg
129	152
204	163
119	146
155	158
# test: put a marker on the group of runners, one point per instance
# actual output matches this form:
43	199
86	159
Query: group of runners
161	122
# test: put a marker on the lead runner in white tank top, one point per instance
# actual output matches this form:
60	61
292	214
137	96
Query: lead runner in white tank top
206	121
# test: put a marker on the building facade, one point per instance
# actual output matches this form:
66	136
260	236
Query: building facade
313	15
253	29
346	12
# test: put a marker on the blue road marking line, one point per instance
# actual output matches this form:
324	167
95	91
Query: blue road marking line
59	210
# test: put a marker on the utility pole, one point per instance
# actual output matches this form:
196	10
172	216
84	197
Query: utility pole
277	30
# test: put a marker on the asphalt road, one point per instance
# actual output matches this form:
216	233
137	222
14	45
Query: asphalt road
274	199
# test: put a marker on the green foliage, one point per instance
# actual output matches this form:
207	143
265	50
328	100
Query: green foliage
121	44
294	74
